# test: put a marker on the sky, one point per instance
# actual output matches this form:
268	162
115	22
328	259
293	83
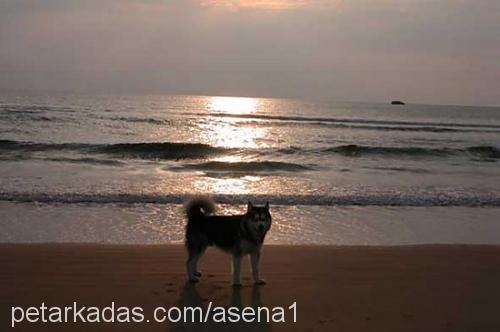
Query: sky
421	51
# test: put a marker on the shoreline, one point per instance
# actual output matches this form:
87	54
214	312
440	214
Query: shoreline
158	224
347	288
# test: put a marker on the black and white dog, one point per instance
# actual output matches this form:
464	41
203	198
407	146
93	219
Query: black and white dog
238	235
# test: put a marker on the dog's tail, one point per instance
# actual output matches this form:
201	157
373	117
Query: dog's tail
198	207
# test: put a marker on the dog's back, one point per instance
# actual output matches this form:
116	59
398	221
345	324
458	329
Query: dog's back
204	229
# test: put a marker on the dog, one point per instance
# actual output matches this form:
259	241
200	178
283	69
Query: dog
238	235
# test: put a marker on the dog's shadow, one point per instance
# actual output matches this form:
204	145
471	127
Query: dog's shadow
190	298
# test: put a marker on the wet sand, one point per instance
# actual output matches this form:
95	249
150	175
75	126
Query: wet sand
411	288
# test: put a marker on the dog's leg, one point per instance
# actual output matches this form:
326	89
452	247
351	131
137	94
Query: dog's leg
236	270
255	259
192	264
195	263
190	268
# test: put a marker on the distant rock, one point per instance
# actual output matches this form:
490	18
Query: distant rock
397	102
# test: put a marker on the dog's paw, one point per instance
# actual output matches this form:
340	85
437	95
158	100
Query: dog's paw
259	282
197	274
193	280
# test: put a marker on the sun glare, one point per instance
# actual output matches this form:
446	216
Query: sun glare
234	105
262	4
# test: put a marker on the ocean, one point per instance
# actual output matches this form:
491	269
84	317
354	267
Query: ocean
117	169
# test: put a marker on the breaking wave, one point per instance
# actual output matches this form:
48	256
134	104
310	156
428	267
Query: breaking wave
165	150
422	199
353	150
173	151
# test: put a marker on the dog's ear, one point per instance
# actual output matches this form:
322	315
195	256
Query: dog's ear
267	206
249	206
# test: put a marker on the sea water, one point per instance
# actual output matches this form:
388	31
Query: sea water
117	169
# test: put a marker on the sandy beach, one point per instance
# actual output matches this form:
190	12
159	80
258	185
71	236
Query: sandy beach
412	288
358	140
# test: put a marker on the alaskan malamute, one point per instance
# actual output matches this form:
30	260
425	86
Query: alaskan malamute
238	235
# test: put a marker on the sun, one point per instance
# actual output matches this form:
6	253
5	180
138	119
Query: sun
233	105
263	4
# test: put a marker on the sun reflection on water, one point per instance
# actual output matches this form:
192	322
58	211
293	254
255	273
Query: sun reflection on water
241	135
233	105
226	185
232	132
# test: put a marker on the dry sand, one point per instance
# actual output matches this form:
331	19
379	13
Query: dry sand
415	288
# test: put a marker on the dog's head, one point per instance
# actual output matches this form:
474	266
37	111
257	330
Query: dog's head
258	220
